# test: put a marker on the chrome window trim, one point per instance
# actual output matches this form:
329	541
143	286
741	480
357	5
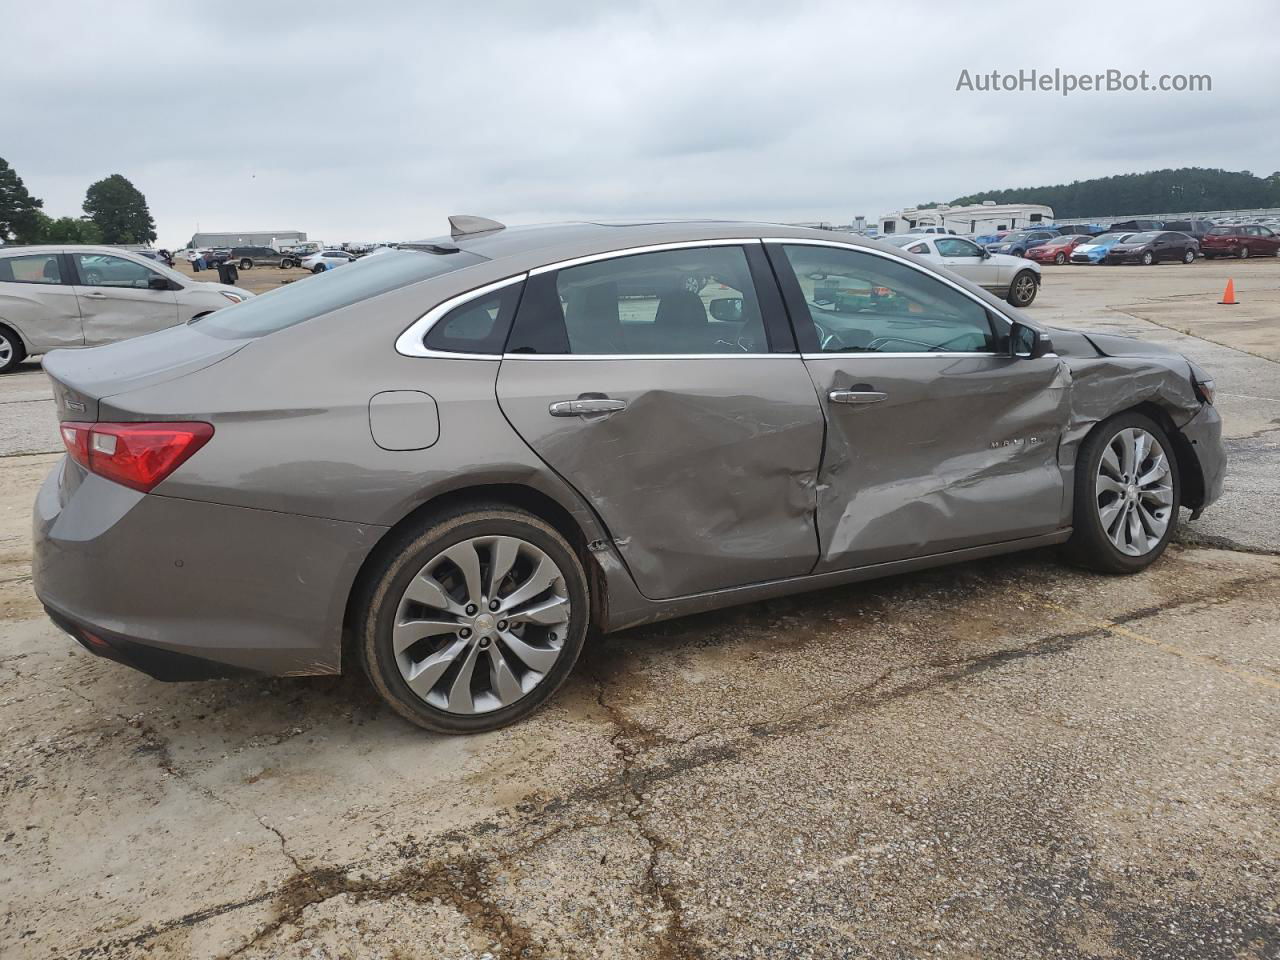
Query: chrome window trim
652	356
410	342
794	241
925	354
649	248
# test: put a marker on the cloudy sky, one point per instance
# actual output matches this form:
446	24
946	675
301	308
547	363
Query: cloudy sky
373	121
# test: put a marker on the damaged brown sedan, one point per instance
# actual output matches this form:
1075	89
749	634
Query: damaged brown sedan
462	455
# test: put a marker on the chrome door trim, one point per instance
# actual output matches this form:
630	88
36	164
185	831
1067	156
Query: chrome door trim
652	356
931	355
410	343
648	248
794	241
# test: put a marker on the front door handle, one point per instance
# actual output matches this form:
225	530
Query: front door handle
587	407
94	295
856	396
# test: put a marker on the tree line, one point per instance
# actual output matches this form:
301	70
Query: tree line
115	211
1184	190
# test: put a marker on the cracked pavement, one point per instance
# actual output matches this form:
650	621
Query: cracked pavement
1008	758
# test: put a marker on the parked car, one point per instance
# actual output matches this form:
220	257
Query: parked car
1240	240
56	296
249	257
1010	278
1136	226
1196	227
1017	244
1095	250
1154	246
215	255
581	461
1058	249
326	260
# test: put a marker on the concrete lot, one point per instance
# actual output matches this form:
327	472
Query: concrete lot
1008	758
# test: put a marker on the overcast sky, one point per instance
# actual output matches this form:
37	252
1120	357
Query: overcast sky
373	121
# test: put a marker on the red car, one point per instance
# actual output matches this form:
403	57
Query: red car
1058	250
1240	240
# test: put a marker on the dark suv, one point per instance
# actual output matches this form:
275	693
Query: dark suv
249	257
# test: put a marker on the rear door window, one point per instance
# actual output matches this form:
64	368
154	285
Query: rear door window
31	268
696	300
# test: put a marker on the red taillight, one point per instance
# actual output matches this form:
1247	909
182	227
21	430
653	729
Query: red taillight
138	455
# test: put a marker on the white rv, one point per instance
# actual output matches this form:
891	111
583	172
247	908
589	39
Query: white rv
978	218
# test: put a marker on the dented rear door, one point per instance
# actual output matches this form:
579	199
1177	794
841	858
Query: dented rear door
694	435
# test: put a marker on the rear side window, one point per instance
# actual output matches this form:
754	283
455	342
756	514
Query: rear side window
695	300
35	268
478	326
325	292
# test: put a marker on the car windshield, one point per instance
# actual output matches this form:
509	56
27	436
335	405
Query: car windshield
1110	238
330	290
1020	235
1143	237
903	239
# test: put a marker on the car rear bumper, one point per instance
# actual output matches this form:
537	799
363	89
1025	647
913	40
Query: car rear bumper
185	589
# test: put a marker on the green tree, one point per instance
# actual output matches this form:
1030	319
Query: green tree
71	230
120	211
19	211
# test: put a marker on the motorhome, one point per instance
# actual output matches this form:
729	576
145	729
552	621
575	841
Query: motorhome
985	217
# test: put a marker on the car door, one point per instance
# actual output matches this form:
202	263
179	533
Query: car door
967	260
38	300
664	386
117	300
1268	241
937	438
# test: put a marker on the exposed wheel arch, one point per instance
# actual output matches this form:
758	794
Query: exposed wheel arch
539	504
1188	463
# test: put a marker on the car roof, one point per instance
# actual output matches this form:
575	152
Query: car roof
66	248
534	244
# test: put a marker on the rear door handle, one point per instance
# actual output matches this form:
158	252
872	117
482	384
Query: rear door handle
856	396
94	295
578	408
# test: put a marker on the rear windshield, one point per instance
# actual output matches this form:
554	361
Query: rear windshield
315	295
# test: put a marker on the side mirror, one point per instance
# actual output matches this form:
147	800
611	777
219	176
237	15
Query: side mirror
159	283
986	254
1028	343
728	309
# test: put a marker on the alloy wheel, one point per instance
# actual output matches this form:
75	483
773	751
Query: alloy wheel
6	350
1024	288
1134	491
481	624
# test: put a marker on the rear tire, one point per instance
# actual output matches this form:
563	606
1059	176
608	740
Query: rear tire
318	268
1189	256
1244	253
246	264
12	350
496	673
1103	537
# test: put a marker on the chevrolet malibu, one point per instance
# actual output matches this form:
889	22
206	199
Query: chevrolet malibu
54	296
450	462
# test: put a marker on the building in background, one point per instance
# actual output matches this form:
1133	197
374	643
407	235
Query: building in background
253	238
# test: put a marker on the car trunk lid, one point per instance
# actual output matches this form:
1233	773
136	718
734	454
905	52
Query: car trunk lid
82	378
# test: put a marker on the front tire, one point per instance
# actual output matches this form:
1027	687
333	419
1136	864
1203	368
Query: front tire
12	350
1148	259
1023	289
318	268
1127	496
1060	259
473	619
246	264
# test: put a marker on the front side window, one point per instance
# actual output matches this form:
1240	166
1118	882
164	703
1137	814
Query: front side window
33	268
697	300
953	247
922	248
104	270
858	302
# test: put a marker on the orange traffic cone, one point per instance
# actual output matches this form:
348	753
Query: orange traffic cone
1229	295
